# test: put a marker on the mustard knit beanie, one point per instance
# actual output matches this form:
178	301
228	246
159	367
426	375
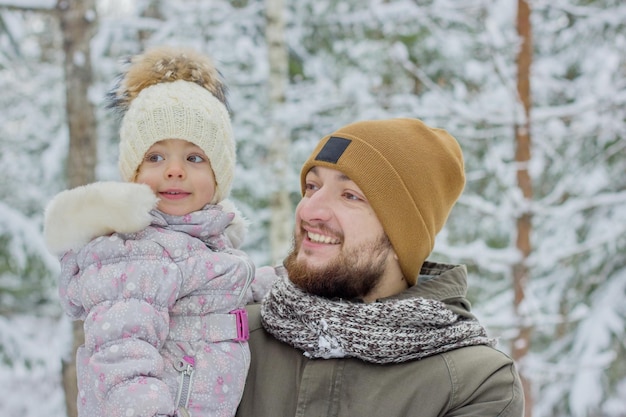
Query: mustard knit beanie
410	173
173	93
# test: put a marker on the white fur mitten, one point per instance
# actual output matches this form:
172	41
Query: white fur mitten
74	217
237	229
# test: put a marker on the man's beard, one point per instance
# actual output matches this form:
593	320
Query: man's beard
354	273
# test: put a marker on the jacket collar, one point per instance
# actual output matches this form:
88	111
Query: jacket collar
442	282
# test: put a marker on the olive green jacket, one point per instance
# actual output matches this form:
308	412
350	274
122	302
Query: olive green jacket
476	381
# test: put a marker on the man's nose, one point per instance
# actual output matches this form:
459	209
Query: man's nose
316	207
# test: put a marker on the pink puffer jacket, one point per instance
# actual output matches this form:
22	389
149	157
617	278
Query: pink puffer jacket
162	315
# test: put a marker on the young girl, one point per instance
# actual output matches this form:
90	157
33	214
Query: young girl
150	264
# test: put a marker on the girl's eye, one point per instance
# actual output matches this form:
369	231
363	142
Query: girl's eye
352	197
154	157
195	158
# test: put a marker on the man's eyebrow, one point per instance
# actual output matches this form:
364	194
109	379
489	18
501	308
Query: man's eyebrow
340	175
343	177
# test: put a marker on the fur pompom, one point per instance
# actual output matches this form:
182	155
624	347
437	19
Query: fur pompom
165	64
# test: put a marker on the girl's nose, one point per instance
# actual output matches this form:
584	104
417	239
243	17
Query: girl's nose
175	170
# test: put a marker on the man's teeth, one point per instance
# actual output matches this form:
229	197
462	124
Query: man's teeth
314	237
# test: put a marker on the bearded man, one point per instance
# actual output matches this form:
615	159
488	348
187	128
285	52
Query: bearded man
358	322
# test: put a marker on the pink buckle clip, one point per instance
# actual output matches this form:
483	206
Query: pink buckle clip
241	321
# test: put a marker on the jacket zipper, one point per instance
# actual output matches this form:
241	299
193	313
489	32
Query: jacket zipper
186	368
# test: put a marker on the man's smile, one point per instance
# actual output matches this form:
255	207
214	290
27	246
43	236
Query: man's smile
319	238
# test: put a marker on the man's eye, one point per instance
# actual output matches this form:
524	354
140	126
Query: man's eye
309	188
195	158
351	196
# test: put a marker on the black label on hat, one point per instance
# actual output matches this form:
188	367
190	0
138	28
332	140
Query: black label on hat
333	149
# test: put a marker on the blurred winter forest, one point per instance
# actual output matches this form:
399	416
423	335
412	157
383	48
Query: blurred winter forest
534	90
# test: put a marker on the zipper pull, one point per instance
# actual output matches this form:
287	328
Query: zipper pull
185	364
186	368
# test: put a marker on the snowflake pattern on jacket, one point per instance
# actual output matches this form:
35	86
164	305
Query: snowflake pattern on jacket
146	299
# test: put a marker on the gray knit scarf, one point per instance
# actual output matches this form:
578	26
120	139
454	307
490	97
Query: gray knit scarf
390	331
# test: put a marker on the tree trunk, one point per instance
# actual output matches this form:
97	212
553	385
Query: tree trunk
78	21
152	10
280	204
521	343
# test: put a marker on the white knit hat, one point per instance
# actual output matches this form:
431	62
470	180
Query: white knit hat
170	93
